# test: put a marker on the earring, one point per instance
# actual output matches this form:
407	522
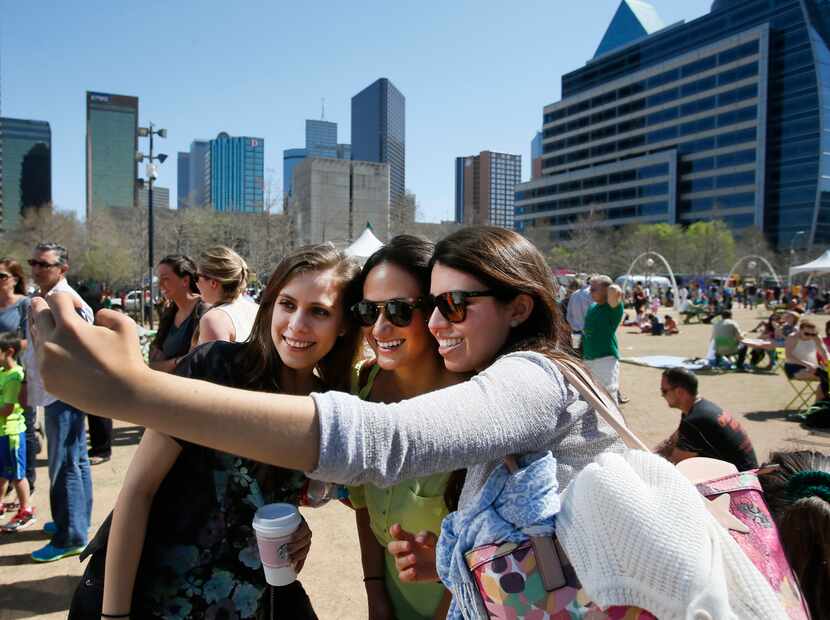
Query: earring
513	323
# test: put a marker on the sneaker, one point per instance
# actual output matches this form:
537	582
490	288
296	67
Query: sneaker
20	521
51	553
50	528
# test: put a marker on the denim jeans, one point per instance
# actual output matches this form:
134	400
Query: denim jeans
70	491
31	445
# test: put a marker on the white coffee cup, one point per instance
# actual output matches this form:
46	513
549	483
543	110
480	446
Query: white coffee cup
274	524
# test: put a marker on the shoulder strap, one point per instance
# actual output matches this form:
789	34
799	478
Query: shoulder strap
599	400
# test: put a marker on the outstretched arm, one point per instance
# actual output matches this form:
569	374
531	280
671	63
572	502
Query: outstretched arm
99	369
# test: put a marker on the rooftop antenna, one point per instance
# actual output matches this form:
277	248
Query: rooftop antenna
323	113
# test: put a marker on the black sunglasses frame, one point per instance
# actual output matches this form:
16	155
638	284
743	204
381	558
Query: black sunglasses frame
370	318
42	264
458	300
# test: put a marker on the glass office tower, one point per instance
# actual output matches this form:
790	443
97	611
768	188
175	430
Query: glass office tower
721	117
485	187
236	173
111	145
27	168
379	130
321	139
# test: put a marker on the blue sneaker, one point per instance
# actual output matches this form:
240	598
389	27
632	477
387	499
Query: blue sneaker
50	528
50	553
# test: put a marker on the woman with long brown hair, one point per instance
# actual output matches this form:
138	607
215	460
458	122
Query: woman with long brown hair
180	541
177	276
495	314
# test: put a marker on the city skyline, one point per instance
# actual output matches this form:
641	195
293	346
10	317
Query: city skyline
451	105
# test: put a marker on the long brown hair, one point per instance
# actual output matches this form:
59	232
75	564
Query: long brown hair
798	496
17	272
182	266
509	265
259	359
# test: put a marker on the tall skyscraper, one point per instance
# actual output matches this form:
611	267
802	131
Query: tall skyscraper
192	169
536	151
321	139
111	145
379	131
485	188
236	173
27	164
335	199
722	117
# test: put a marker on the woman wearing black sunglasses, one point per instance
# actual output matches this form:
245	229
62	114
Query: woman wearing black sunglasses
509	333
394	314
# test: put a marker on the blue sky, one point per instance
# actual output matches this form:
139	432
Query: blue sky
475	74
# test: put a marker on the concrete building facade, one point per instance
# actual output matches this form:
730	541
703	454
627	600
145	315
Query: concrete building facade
485	188
161	197
333	200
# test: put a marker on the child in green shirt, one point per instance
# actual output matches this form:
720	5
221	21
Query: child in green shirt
13	433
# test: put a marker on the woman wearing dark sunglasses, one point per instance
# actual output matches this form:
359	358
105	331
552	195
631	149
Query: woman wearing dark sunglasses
394	314
509	333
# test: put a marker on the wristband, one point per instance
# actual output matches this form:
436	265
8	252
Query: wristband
126	615
365	579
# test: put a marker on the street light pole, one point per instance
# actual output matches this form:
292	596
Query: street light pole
152	173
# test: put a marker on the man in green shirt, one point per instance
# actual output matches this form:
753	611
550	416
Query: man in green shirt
599	336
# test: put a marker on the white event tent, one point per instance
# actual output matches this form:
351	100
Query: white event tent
365	245
817	266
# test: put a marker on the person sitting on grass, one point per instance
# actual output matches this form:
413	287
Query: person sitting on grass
670	326
13	433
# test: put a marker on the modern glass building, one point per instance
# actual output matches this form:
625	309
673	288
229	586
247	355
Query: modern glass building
290	159
722	117
379	130
321	139
192	169
111	145
484	188
236	173
26	147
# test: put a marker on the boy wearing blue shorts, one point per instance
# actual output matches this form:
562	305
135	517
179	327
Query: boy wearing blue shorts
13	433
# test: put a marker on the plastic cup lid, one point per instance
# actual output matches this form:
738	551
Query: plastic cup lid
277	517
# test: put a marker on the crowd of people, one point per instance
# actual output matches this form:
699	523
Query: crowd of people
403	382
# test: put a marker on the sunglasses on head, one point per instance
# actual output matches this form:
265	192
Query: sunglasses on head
453	304
397	311
41	263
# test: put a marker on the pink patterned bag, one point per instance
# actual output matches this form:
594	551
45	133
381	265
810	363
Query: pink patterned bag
761	544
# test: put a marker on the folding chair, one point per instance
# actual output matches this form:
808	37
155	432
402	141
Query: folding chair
804	391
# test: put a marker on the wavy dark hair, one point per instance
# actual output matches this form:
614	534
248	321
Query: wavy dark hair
509	265
800	504
17	272
410	253
183	266
259	360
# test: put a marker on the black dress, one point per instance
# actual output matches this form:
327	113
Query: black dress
200	558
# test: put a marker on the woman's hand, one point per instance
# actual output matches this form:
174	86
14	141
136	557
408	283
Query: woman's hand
299	546
74	355
414	554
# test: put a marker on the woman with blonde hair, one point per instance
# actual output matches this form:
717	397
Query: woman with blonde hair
222	277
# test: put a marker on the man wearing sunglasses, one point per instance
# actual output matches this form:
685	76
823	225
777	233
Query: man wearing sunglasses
599	335
70	481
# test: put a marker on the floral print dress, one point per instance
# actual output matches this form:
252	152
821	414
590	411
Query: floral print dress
200	557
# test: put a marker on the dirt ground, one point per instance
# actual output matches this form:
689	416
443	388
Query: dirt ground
332	575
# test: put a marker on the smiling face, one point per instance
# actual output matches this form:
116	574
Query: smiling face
307	318
172	286
396	347
472	344
7	280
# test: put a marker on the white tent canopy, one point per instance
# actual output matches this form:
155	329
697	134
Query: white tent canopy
820	265
365	245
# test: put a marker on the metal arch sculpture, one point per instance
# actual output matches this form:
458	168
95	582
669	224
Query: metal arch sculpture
756	257
668	268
